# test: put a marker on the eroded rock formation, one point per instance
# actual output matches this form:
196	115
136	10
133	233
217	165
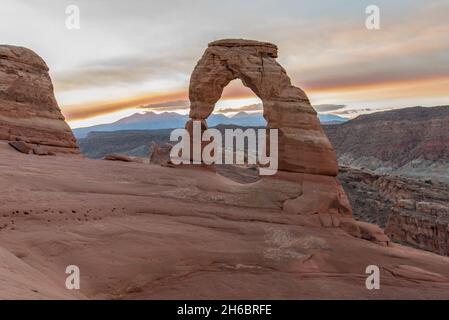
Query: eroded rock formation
190	233
413	212
149	232
423	225
305	154
121	157
28	108
413	142
160	154
303	146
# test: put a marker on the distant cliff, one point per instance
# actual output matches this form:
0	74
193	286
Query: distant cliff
411	141
413	212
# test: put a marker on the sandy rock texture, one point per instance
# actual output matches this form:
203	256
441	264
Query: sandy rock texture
303	146
413	212
28	108
145	231
305	155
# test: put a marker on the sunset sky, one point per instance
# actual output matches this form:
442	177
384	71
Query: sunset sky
133	53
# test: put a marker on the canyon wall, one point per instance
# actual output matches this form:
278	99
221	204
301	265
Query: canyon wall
412	142
413	212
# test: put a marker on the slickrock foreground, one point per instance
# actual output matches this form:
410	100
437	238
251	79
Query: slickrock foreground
28	108
146	231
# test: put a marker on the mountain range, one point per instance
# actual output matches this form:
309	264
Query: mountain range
169	120
411	141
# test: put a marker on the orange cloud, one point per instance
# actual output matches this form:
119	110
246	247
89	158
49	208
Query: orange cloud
88	110
343	92
84	111
343	62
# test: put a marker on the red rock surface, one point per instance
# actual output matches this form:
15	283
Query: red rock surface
305	155
121	157
303	146
160	154
145	231
21	147
28	108
413	212
421	224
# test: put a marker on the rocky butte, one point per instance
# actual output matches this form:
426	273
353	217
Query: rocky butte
29	114
150	231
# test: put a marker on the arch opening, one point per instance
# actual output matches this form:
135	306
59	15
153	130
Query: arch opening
243	110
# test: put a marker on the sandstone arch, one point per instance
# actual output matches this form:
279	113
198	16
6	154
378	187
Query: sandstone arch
303	146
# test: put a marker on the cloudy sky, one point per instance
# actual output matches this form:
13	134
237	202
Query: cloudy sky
129	54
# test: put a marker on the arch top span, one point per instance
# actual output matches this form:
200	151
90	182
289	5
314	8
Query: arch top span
262	47
303	146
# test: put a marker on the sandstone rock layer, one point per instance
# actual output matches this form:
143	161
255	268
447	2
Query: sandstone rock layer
413	212
305	155
303	146
412	142
28	108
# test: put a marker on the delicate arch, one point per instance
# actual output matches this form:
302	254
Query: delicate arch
303	146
